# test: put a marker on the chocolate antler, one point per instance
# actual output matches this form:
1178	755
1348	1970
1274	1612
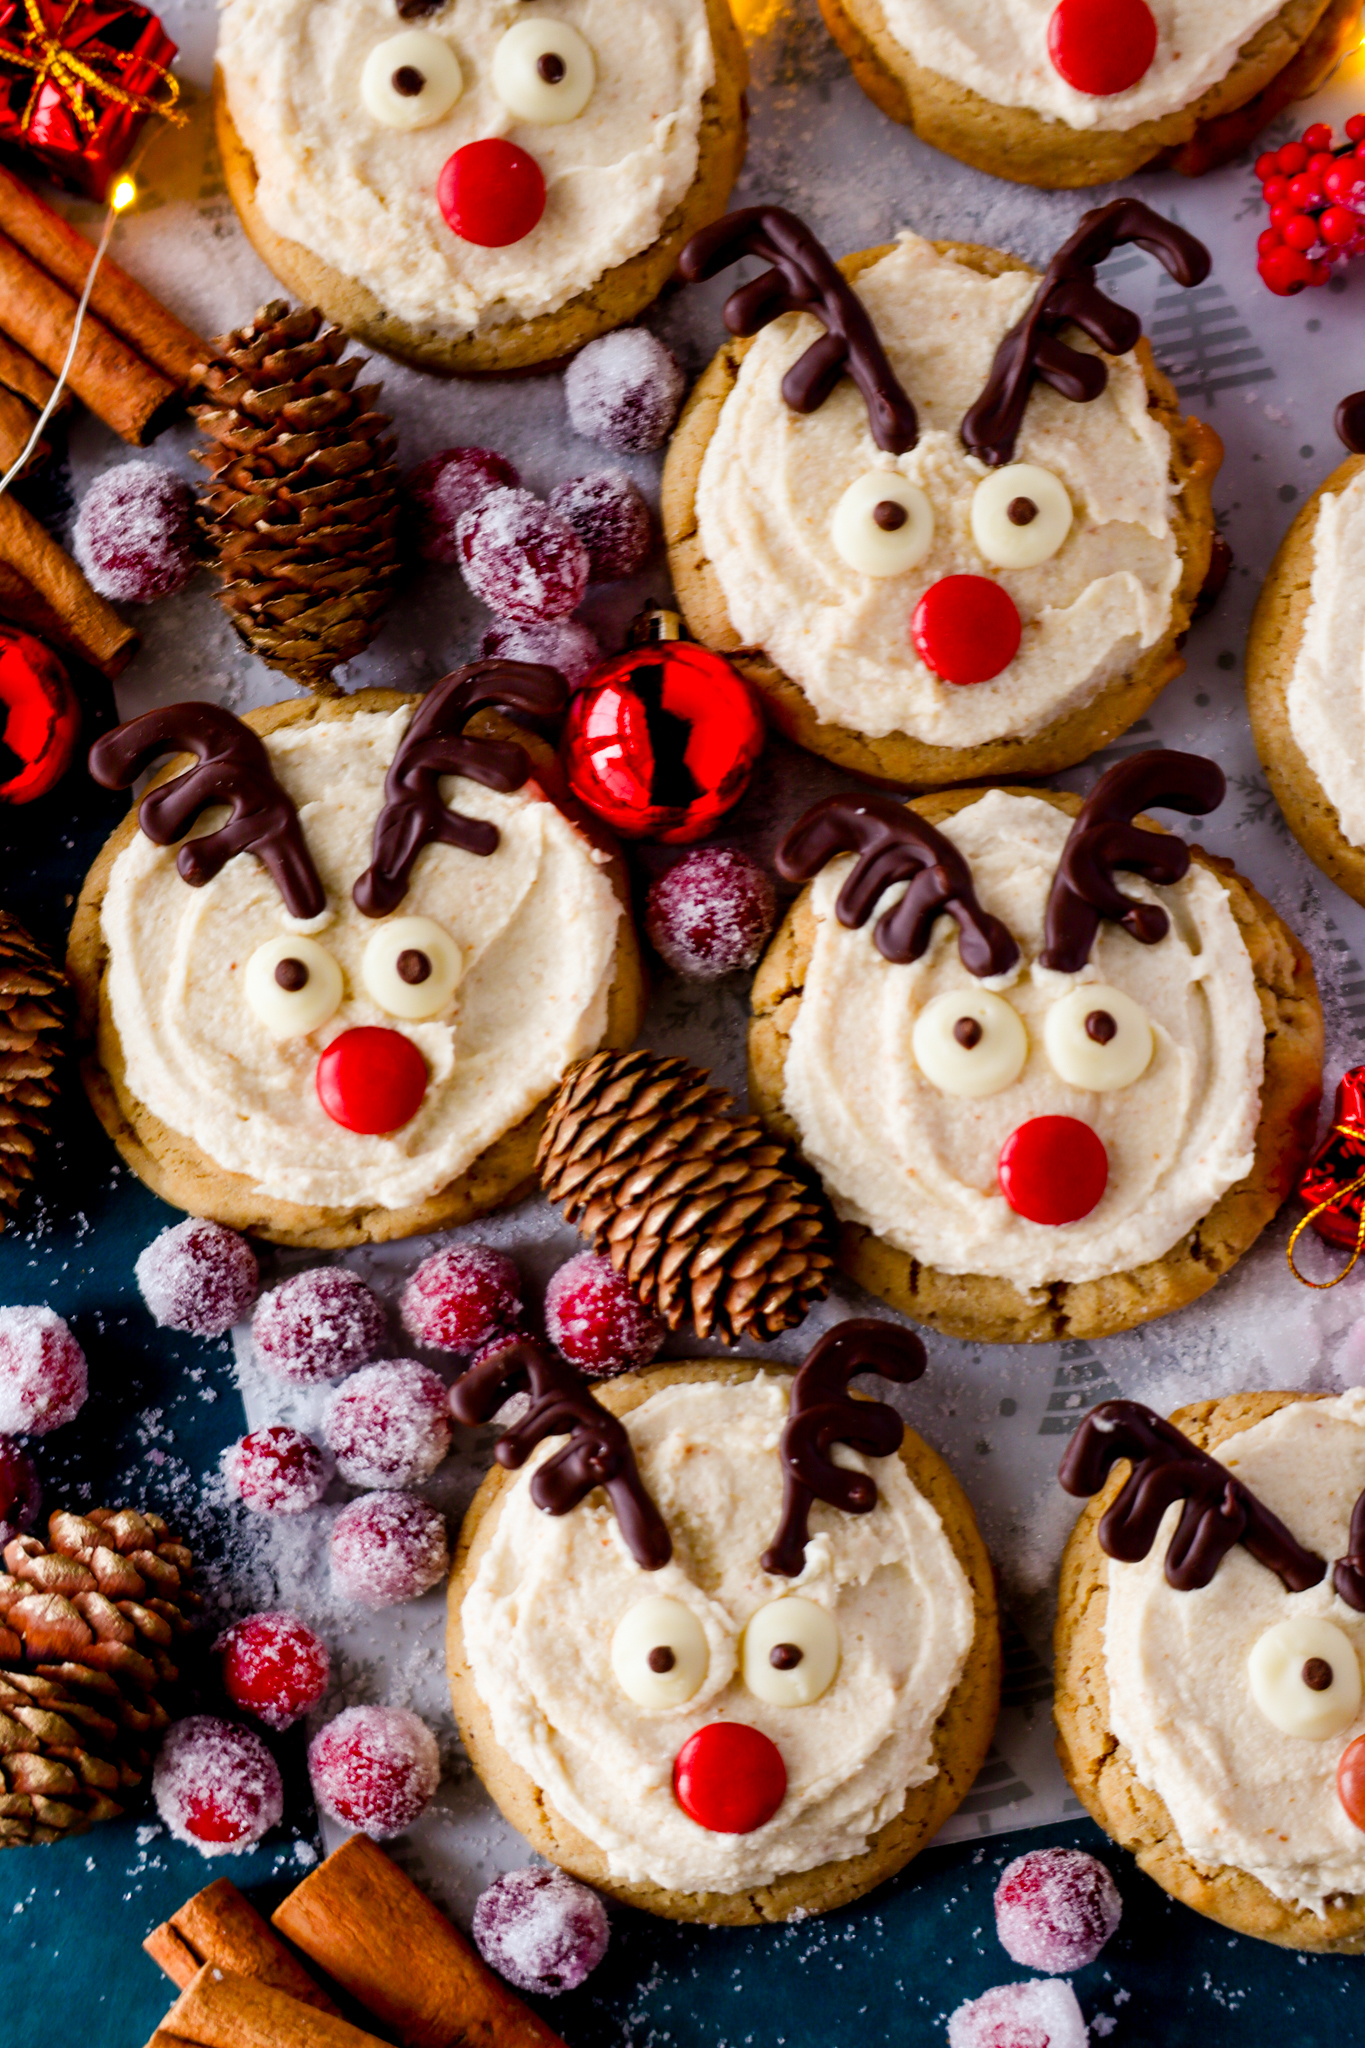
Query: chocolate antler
804	278
894	844
598	1452
1219	1510
1069	293
1104	838
232	767
1348	1573
821	1414
414	814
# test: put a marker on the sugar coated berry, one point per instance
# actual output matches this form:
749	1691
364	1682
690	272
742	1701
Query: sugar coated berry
522	558
199	1277
1055	1909
277	1471
609	514
134	533
460	1297
319	1325
388	1547
388	1425
274	1667
216	1785
21	1496
43	1376
375	1768
541	1930
565	644
711	914
1041	2014
446	486
624	391
595	1319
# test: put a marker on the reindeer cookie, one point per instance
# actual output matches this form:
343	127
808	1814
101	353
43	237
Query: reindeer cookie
731	1651
1043	1106
473	184
331	1014
1210	1630
962	531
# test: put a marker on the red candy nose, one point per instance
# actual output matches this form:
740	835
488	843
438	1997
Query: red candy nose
1351	1781
491	193
729	1778
371	1080
1053	1169
1102	46
966	629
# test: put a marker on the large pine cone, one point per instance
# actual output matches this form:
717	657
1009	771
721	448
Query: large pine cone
695	1204
88	1622
33	996
303	510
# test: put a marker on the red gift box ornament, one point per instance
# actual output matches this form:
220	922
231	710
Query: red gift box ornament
1334	1180
77	81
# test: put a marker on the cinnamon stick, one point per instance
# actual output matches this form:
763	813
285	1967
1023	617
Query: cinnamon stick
20	374
119	387
42	589
368	1927
218	2009
219	1926
16	424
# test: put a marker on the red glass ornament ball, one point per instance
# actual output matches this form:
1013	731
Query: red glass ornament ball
371	1080
42	716
1103	46
661	741
1053	1169
491	193
966	629
729	1778
1351	1781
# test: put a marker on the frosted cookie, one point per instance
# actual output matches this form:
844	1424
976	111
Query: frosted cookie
1043	1106
742	1679
1210	1630
1089	90
332	1013
477	186
961	531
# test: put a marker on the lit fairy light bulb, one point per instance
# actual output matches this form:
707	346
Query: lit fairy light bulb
123	195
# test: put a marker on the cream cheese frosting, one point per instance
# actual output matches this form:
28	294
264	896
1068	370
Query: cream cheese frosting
918	1167
198	1056
1325	695
998	48
362	195
770	481
549	1592
1239	1790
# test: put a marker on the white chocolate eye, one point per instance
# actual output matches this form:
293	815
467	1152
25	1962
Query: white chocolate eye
1305	1678
883	524
1020	515
412	967
790	1652
1098	1038
969	1042
659	1652
293	984
411	80
543	71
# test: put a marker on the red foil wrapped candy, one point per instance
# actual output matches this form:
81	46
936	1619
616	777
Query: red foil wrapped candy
1333	1184
41	717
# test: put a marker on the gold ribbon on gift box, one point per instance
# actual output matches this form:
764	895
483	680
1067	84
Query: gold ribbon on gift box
50	60
1340	1195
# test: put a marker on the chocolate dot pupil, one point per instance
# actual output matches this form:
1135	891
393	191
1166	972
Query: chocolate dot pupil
408	81
1021	511
413	10
661	1659
890	516
412	967
785	1656
1100	1026
967	1032
1317	1674
551	67
291	975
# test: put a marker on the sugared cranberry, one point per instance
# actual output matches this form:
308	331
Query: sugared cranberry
565	644
134	533
199	1277
596	1320
277	1471
1055	1909
541	1930
522	558
319	1325
460	1297
388	1547
624	391
710	914
1041	2014
609	514
446	486
43	1376
216	1785
21	1495
375	1769
388	1425
274	1667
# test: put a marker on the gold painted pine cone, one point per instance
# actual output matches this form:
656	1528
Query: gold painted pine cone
88	1621
693	1202
33	1000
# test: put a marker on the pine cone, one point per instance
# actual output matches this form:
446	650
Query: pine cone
303	510
695	1204
33	997
87	1624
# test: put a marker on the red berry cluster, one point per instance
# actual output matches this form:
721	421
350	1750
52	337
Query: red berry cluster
1316	196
